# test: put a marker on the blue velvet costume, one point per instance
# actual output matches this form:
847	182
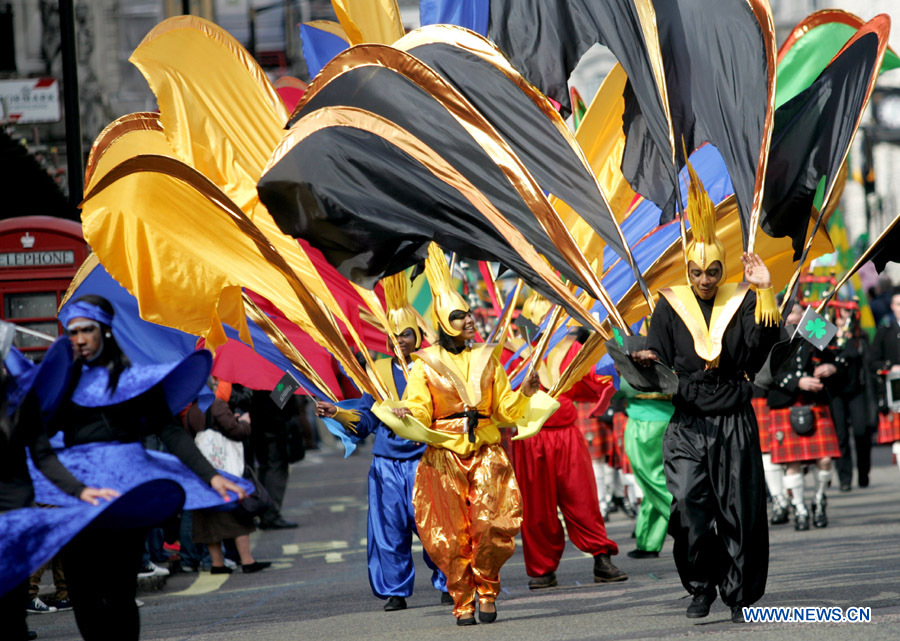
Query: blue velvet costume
391	521
153	485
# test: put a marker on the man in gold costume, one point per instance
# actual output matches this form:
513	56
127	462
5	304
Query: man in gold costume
715	336
468	506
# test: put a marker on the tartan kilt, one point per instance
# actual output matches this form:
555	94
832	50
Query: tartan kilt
619	460
888	427
793	448
597	434
761	410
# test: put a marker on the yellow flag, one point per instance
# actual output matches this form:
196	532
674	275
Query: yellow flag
185	250
223	117
370	20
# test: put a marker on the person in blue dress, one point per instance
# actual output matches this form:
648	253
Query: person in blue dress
391	522
111	406
29	393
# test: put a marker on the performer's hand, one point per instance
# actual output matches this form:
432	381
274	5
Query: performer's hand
324	408
755	271
644	357
401	412
222	485
93	495
531	384
810	384
824	370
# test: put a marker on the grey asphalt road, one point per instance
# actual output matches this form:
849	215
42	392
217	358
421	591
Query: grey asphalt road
318	588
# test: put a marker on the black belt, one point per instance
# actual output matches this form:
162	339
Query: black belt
472	417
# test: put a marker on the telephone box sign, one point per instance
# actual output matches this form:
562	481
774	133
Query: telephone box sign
37	259
29	100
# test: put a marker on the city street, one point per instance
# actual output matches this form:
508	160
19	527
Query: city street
318	589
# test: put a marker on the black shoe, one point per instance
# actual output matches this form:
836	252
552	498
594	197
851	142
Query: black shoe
737	614
31	635
217	569
395	603
487	617
780	514
863	480
820	519
643	554
699	606
801	521
540	582
605	571
256	566
845	487
61	605
467	620
446	599
277	524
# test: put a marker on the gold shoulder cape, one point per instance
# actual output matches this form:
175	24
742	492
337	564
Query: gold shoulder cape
707	340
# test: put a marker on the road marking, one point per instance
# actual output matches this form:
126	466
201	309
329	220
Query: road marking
294	549
203	584
337	508
334	557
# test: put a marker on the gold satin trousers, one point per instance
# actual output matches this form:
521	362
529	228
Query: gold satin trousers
468	512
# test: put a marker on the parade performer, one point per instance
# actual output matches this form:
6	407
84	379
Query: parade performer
804	384
555	473
774	473
468	505
391	521
886	358
29	394
598	435
714	335
111	406
853	405
648	417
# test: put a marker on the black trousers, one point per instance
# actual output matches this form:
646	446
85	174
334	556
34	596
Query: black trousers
101	568
849	415
714	471
272	467
12	613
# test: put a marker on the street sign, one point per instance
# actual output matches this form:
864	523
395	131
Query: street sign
29	100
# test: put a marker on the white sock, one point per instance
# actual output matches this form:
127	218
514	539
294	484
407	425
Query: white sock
600	474
615	485
822	479
895	448
635	492
774	475
794	483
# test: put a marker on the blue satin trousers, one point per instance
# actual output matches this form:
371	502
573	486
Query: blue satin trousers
391	527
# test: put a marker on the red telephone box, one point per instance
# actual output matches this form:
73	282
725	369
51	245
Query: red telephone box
39	256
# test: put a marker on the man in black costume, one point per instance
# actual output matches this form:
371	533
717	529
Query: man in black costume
714	336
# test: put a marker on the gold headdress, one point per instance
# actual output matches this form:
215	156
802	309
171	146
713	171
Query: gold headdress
705	248
446	299
535	308
400	313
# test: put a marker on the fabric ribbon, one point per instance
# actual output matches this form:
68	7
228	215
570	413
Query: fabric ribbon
472	417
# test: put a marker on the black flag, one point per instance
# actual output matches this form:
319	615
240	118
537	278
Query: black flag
813	132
